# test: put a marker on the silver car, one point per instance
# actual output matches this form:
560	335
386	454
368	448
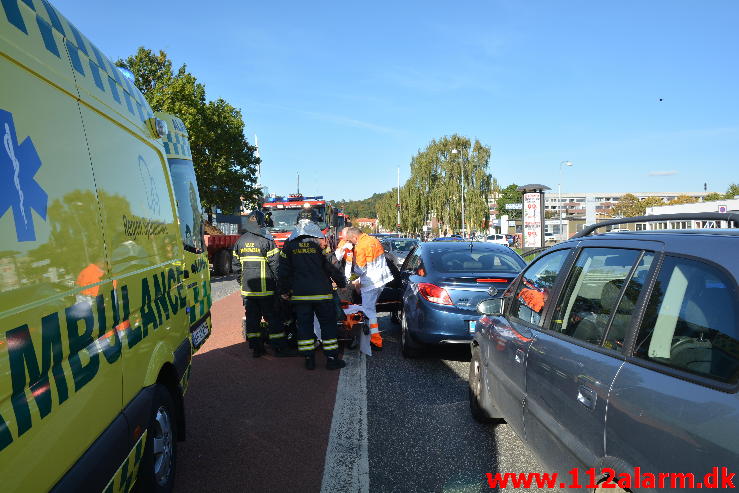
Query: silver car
617	355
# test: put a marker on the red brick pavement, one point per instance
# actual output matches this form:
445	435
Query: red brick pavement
253	424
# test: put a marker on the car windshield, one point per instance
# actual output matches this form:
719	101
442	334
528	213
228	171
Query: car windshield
403	245
283	220
465	260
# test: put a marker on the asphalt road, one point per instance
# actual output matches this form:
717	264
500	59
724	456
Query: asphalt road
420	435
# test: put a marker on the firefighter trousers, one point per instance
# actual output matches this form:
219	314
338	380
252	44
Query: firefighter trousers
325	312
263	306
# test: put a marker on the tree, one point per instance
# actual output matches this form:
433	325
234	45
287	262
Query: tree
225	163
630	206
732	191
509	195
712	197
682	199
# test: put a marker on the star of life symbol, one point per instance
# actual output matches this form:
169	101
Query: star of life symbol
18	188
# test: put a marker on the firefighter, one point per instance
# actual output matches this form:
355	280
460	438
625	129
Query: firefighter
370	264
256	256
305	276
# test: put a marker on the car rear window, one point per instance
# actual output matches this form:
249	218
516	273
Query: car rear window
476	261
403	245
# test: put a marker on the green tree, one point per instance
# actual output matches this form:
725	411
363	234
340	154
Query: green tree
712	197
509	195
225	163
732	191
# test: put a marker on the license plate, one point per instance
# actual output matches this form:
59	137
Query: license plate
473	325
200	334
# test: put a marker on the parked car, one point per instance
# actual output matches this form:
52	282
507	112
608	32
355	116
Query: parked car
619	351
497	239
397	249
442	283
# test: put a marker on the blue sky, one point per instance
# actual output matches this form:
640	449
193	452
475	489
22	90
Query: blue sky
339	90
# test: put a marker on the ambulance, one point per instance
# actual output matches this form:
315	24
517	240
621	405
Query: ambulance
104	285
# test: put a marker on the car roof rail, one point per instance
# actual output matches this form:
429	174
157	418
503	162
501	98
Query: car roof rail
694	216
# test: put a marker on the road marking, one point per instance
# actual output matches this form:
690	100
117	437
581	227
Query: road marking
347	455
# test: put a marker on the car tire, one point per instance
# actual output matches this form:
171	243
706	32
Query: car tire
409	348
157	471
476	388
222	263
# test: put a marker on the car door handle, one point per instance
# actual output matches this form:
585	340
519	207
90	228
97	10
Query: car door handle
586	396
519	356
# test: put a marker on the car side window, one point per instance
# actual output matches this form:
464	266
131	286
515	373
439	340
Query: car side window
690	321
620	323
536	283
591	293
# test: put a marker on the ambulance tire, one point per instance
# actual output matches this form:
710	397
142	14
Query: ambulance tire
222	263
157	470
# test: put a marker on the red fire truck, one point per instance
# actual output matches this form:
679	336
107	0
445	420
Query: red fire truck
283	214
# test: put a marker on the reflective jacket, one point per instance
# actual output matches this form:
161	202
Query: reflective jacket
305	271
370	263
256	256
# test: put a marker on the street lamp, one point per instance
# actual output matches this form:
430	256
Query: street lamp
461	167
559	197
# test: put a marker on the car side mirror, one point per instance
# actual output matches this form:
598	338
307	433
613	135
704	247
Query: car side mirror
491	307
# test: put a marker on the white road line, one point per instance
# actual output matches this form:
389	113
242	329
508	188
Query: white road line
347	456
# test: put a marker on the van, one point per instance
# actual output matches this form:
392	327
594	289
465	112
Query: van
102	292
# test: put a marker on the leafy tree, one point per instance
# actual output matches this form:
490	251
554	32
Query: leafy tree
732	191
434	188
713	196
225	163
631	206
509	195
682	199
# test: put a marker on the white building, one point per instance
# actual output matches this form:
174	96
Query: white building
722	206
573	204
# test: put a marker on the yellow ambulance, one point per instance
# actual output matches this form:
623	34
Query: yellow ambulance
104	285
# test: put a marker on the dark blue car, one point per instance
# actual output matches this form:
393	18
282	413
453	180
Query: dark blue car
442	283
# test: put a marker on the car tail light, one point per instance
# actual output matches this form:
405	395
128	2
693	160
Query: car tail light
492	280
434	294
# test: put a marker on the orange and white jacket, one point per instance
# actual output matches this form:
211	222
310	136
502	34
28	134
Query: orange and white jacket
370	263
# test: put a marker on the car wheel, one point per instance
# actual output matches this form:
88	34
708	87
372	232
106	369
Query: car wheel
157	470
409	348
476	388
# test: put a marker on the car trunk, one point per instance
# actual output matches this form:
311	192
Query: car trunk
467	290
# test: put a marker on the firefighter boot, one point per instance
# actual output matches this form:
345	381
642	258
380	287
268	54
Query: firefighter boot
310	362
283	350
335	363
258	349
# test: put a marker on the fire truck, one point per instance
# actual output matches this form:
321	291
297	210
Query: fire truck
283	215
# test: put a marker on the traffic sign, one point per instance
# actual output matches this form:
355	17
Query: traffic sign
516	206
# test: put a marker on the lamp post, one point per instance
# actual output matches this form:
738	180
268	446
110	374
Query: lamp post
461	167
559	198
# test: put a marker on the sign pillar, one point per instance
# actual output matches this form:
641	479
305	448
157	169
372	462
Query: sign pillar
533	215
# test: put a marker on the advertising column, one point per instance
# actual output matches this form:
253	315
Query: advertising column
533	215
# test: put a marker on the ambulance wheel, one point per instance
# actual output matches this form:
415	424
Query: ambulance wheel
222	263
157	470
